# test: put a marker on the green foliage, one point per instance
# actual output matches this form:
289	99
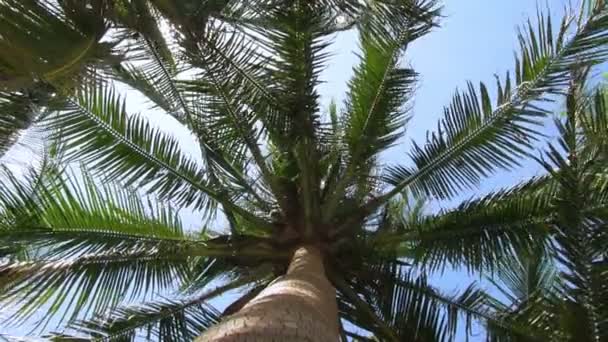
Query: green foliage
130	148
28	61
530	284
375	109
19	111
561	295
163	321
473	234
475	138
84	247
28	56
101	245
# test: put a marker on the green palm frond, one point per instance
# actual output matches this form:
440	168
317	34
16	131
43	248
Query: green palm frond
142	20
475	138
104	243
375	108
44	42
531	286
156	75
527	276
154	79
594	123
48	210
92	247
149	66
220	111
477	233
582	259
221	48
167	319
371	127
415	309
296	59
561	295
406	306
41	40
94	283
19	110
133	150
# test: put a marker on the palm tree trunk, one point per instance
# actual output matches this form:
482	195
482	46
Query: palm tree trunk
299	306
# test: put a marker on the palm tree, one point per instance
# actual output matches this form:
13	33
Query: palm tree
563	294
315	237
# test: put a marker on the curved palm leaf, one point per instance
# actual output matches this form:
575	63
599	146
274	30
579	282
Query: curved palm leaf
576	230
163	320
18	111
531	286
134	151
104	243
477	233
32	55
45	42
398	304
379	90
561	295
476	139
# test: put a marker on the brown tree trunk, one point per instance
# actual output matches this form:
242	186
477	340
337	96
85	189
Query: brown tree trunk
299	306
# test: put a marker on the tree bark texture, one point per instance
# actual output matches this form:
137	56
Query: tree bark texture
299	306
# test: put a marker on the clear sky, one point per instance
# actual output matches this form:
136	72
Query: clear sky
475	41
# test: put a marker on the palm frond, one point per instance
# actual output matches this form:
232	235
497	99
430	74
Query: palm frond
156	85
40	40
141	19
214	45
297	57
583	263
153	71
349	303
296	44
531	286
411	308
45	210
94	283
149	65
43	42
594	123
97	130
478	232
101	244
167	319
233	124
19	111
378	92
91	248
163	321
475	138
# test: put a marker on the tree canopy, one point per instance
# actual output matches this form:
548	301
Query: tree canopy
89	238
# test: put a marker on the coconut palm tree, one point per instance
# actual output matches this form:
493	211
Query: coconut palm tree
563	294
315	238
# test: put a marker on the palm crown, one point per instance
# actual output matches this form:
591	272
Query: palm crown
242	76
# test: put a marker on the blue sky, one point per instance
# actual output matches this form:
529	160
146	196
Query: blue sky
476	41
